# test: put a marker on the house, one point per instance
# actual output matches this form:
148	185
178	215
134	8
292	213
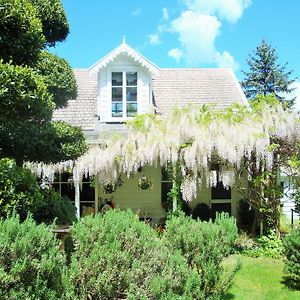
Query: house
116	88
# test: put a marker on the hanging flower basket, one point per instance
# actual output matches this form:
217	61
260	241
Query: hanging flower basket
110	188
145	183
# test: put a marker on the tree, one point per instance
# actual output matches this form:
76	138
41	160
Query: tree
266	75
34	82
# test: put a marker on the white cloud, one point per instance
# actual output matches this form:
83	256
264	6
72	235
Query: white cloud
229	10
226	60
154	39
165	14
176	54
137	12
199	26
197	34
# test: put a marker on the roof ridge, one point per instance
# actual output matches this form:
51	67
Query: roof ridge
193	69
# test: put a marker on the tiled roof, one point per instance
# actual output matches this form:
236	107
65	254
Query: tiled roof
179	87
82	111
171	87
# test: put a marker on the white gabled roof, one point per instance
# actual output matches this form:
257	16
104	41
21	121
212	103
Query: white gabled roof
124	48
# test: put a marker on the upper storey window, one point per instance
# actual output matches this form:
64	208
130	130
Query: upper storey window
124	94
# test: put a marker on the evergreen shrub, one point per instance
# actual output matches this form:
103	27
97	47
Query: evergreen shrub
30	262
118	257
204	245
291	245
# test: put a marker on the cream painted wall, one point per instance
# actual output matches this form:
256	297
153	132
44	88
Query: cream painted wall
148	202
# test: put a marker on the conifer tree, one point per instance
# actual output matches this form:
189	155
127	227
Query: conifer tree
266	75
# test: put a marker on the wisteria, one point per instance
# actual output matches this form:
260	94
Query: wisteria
194	137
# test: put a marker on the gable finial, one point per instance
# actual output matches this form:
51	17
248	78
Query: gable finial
124	39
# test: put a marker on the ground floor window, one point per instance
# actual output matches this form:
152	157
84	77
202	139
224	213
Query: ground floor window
63	184
220	207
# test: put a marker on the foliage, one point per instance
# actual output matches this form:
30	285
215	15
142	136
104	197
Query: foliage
58	76
33	82
49	142
23	95
53	19
19	190
54	207
204	245
21	193
266	75
21	32
291	245
202	212
30	261
267	245
118	257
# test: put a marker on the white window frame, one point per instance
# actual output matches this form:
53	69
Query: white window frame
124	86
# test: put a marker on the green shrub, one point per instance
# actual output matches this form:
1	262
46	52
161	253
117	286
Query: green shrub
118	257
30	263
202	211
267	245
204	246
21	193
19	190
54	207
291	245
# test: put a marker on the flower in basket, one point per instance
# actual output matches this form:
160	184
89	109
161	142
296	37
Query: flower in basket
145	183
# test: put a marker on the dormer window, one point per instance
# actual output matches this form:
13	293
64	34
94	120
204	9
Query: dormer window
124	94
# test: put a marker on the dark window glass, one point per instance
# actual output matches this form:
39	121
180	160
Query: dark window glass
220	207
219	192
117	79
87	193
165	189
66	177
131	78
55	186
68	190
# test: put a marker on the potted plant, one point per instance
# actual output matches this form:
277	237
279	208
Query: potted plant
145	183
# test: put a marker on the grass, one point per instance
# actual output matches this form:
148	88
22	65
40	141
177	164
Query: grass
259	279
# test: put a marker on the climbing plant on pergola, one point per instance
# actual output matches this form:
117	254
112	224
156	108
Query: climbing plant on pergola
247	142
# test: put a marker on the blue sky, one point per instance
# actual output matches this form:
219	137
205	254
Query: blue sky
183	33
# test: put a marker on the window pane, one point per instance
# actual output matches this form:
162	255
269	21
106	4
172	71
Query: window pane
219	192
165	189
117	109
220	207
131	94
131	78
87	193
117	94
116	78
131	109
68	190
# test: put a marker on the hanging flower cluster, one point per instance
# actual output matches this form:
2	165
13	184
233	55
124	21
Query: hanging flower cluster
193	136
